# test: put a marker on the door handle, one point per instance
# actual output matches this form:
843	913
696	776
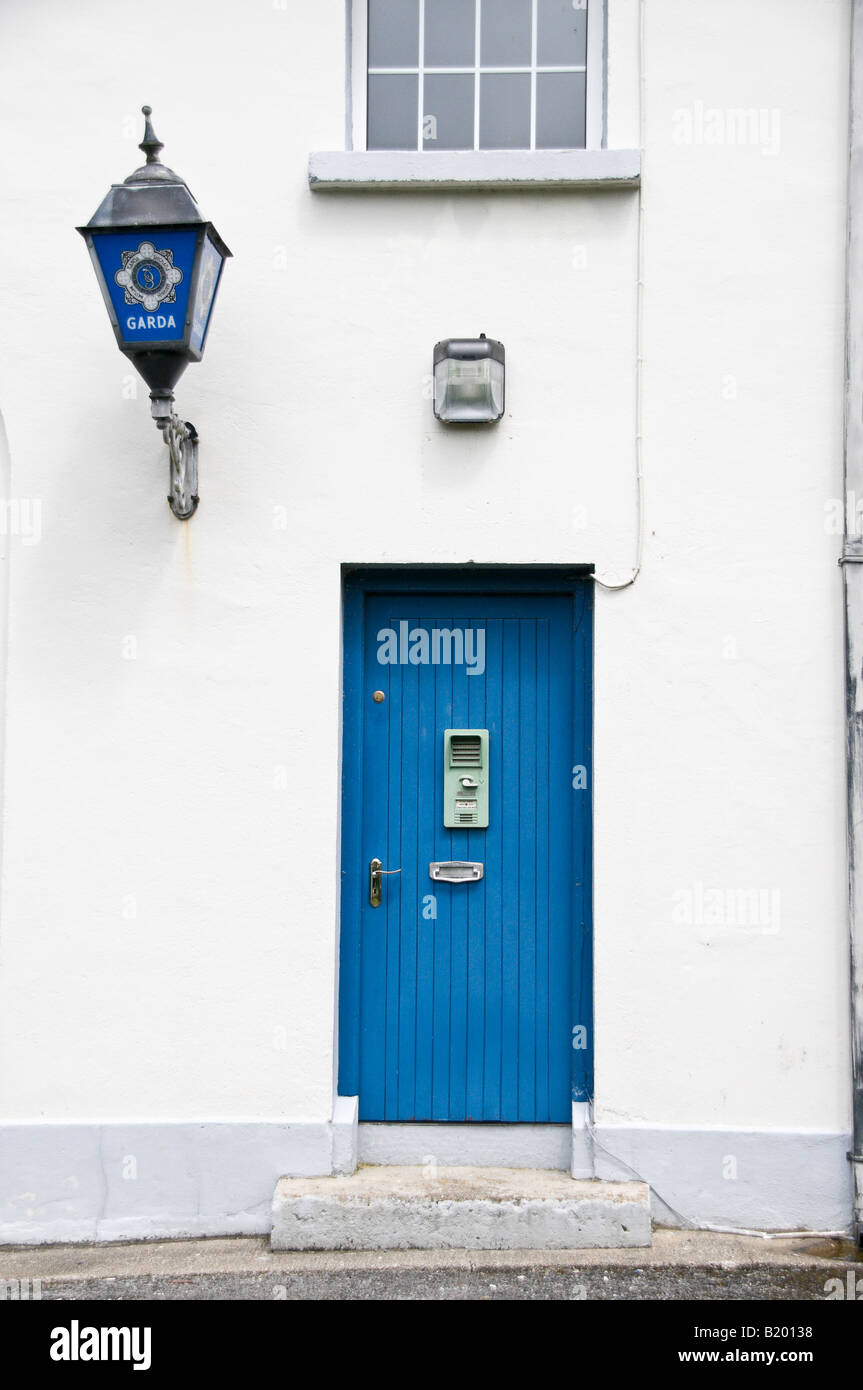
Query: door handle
376	873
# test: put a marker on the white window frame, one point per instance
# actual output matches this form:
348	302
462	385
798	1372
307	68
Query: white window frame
594	84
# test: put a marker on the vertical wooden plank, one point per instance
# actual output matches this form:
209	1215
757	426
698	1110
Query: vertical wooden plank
352	824
410	889
458	896
374	844
493	919
510	906
476	899
429	815
560	763
582	855
544	894
443	924
390	910
527	919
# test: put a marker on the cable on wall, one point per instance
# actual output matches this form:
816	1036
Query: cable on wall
639	324
687	1223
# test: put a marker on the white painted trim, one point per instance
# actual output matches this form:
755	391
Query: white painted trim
477	42
594	133
65	1182
456	72
474	169
581	1147
346	1111
357	81
533	32
6	492
421	93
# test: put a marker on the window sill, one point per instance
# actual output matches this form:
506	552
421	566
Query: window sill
470	169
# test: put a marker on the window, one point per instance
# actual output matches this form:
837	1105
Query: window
477	74
503	94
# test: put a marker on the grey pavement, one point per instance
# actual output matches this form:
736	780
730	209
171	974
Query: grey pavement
679	1265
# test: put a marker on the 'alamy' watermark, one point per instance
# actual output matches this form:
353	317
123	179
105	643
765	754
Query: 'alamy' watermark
21	516
77	1343
847	518
852	1289
757	127
20	1290
437	646
700	906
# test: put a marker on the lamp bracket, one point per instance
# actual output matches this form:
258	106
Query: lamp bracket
181	438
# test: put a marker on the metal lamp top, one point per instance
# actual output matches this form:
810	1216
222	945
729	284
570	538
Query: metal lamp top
151	196
469	349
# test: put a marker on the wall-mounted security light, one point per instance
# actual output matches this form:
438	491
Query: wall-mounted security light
469	380
158	263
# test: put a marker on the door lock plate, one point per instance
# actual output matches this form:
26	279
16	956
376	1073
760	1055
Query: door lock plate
377	873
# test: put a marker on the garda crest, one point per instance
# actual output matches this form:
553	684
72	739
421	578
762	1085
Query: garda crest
149	276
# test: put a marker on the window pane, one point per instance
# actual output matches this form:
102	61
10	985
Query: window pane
560	111
392	119
504	111
394	33
505	33
561	33
450	33
448	112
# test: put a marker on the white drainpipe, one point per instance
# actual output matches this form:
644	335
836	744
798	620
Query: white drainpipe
852	572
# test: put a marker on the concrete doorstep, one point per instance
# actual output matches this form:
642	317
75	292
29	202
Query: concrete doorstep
396	1208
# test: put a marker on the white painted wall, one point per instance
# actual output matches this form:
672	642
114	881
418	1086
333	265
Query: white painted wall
158	780
730	772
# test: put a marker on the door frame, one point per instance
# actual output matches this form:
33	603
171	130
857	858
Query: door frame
359	581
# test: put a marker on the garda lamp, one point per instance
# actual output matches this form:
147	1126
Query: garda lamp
469	380
158	263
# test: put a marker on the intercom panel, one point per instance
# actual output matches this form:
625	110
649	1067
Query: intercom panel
465	779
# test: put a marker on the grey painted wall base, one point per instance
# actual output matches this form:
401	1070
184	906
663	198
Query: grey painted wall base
756	1179
80	1182
488	1146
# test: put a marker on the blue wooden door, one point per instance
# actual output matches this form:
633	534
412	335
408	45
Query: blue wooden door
466	1001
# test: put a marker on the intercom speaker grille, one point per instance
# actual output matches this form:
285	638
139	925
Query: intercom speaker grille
466	750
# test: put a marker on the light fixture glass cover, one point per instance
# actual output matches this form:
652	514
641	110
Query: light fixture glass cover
469	380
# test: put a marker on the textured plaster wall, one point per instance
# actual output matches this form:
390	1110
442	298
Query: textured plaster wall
168	942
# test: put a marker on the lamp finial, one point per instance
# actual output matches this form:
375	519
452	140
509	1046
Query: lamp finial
150	144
